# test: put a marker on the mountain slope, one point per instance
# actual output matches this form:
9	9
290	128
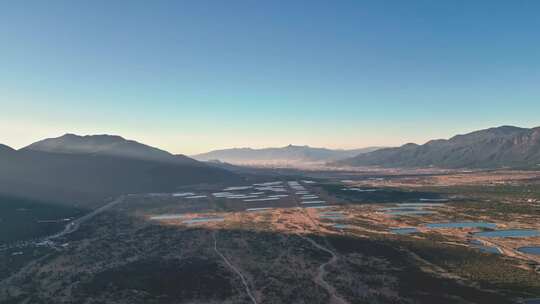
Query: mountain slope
6	149
84	178
504	146
104	145
288	154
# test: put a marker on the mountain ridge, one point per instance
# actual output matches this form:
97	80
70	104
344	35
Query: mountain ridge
505	146
290	153
5	148
105	145
82	177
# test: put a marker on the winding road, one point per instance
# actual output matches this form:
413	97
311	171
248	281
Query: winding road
319	279
231	266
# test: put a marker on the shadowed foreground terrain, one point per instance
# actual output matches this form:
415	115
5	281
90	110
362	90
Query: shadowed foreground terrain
122	259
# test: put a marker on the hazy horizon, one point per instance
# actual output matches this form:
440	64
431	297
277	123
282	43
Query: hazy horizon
190	77
148	142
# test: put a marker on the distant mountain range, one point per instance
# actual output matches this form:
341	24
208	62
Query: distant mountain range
105	145
285	155
75	168
505	146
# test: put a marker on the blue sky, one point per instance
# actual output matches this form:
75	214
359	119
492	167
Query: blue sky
190	76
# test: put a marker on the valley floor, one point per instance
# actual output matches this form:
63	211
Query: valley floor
296	240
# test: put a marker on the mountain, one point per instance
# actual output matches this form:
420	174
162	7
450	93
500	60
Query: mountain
505	146
286	155
6	149
82	170
104	145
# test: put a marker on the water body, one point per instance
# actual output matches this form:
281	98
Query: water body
269	184
420	205
411	212
331	212
237	188
488	249
204	220
402	209
273	189
333	217
258	209
530	250
262	199
341	226
434	200
509	233
462	225
313	202
532	301
182	194
222	194
241	196
167	217
360	189
404	230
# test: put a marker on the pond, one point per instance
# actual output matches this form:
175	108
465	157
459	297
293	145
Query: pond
360	190
488	249
462	225
204	220
262	199
420	205
167	217
434	200
313	202
404	230
237	188
182	194
320	207
530	250
331	212
509	233
410	212
402	209
341	226
333	217
258	209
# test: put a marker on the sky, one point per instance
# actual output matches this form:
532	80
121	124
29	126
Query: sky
192	76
